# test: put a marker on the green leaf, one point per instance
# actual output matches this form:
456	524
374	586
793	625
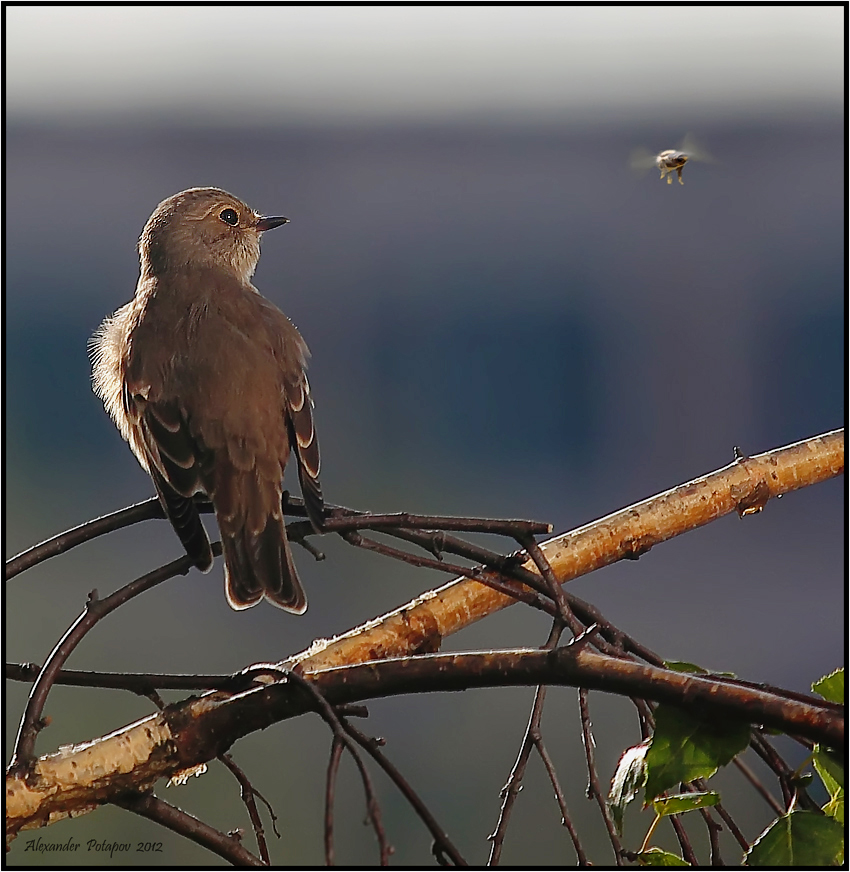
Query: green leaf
831	687
684	666
831	770
657	857
802	838
835	808
693	668
830	767
685	747
681	802
628	780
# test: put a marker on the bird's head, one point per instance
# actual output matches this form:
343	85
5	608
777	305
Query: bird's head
204	227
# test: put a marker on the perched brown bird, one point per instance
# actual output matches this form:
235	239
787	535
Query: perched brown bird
205	379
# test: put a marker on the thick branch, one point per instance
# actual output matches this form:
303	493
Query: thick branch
193	732
577	665
743	486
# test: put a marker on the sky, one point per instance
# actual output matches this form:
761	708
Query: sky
332	64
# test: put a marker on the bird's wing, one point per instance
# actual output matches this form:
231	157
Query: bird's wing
302	437
174	462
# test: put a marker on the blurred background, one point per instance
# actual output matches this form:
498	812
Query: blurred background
505	320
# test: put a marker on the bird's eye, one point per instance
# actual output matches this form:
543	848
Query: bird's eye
229	216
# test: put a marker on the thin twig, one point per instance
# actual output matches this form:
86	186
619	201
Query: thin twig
511	566
248	792
372	807
791	789
327	713
141	683
555	590
645	717
714	830
149	806
699	784
594	789
443	846
482	575
566	820
684	842
330	794
476	572
756	783
95	610
361	520
144	511
513	785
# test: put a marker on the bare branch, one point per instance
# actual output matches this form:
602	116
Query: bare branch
197	730
248	792
330	794
95	610
594	788
56	545
514	783
151	807
443	846
624	534
684	842
326	711
760	788
136	682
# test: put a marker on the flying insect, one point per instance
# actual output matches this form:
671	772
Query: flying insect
671	160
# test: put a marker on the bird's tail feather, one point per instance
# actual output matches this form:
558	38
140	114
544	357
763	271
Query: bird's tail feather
261	565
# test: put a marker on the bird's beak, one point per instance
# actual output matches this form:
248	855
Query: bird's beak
270	223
